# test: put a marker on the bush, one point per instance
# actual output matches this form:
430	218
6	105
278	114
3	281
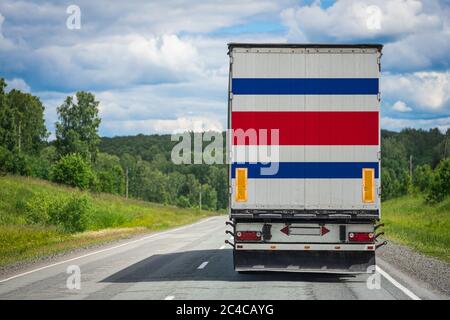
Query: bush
440	185
72	216
69	213
72	170
38	209
183	202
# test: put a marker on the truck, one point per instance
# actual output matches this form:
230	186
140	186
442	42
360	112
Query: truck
304	157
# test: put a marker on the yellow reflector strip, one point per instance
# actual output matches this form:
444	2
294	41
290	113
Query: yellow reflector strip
368	178
241	184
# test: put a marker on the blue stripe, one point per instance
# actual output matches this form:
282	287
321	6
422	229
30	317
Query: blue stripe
305	86
308	170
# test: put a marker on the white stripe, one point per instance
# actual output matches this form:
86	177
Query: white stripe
266	154
169	298
103	250
305	103
222	247
203	265
303	194
397	284
310	65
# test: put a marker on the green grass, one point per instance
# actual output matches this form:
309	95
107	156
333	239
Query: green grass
412	222
110	217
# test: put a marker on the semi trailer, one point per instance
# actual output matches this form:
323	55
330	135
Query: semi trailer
304	160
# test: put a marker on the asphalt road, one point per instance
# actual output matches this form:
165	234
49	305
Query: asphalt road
190	262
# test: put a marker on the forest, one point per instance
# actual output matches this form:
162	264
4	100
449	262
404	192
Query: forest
140	167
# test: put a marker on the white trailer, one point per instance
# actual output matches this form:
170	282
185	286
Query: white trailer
304	173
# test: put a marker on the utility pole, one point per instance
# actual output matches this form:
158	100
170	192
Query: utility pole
446	142
410	165
126	182
20	137
200	200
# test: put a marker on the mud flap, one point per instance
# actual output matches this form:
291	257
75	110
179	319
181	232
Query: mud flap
304	261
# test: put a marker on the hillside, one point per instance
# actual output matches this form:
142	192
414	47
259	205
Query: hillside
39	218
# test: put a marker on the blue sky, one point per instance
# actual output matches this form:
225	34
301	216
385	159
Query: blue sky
161	66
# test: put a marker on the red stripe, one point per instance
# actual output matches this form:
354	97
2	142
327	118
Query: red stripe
311	128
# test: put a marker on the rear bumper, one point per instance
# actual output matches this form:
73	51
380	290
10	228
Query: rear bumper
304	261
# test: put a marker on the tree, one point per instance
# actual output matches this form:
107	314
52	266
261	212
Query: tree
422	177
440	185
209	197
77	128
218	179
28	122
110	175
7	127
22	125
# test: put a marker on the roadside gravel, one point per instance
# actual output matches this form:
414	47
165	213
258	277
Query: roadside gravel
428	269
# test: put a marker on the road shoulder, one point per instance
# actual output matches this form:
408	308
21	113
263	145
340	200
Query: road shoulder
428	277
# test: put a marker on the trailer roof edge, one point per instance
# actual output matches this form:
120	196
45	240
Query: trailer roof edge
232	45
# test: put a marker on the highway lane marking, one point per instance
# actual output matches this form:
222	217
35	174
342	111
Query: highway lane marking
103	250
169	298
405	290
203	265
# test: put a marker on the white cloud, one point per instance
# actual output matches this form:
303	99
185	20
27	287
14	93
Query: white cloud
118	61
4	43
416	34
352	19
179	125
19	84
39	22
400	106
443	124
428	91
153	106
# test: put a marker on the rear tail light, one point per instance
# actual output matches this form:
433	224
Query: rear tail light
248	236
361	236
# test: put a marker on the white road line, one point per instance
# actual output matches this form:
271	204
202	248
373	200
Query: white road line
103	250
169	298
203	265
397	284
222	247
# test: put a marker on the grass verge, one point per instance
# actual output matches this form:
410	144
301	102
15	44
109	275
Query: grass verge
109	218
426	228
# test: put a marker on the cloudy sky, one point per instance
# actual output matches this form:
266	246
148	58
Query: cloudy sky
158	66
